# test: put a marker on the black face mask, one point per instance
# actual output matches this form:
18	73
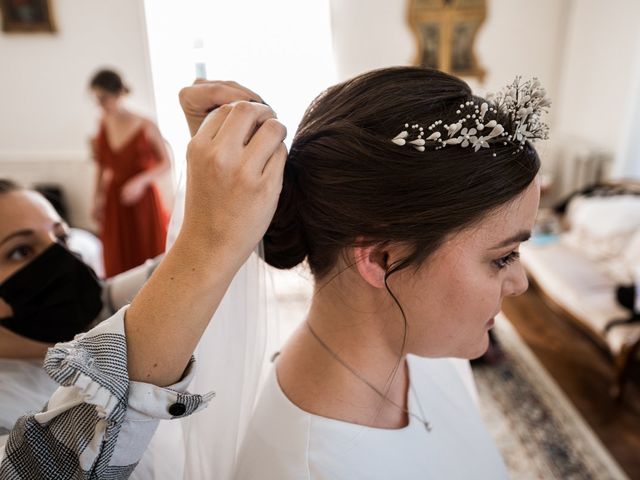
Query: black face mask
54	297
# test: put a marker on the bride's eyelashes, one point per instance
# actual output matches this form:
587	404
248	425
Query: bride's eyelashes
505	261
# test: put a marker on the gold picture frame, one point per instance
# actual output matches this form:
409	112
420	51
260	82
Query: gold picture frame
445	33
27	16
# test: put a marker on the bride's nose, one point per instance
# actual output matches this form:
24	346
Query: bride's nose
516	283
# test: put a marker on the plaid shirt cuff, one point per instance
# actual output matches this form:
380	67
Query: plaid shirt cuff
98	423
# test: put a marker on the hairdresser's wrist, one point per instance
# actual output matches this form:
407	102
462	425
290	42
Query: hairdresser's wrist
210	250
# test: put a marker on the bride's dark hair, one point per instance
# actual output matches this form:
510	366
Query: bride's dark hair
346	181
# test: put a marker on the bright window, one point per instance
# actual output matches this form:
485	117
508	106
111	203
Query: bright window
280	49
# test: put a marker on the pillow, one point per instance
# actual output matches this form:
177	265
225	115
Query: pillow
625	267
604	216
631	253
602	227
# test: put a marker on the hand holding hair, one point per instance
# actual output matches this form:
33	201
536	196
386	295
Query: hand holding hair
204	96
234	177
235	164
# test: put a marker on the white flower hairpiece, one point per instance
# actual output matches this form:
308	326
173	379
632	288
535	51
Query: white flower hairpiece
519	105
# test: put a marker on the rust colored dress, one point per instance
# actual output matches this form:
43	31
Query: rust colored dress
130	234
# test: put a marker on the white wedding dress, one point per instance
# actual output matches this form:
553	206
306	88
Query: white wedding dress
284	442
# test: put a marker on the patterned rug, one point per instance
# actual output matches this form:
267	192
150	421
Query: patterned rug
538	431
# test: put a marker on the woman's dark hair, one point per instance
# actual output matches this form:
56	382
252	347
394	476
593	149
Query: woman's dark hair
109	81
346	181
7	186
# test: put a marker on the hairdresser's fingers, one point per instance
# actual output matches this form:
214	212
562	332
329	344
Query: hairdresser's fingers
267	139
203	96
243	121
234	88
219	150
212	123
233	124
254	96
271	183
274	169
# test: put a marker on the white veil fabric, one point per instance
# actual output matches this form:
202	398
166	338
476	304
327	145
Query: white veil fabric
232	359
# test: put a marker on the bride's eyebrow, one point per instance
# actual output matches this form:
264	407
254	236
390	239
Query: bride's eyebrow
519	237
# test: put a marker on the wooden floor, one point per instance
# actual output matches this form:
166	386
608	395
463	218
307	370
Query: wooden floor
584	374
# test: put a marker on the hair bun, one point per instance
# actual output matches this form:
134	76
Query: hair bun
285	244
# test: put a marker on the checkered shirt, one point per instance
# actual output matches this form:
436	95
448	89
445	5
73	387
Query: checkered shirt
98	423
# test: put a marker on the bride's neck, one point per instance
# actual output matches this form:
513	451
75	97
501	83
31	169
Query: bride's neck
347	353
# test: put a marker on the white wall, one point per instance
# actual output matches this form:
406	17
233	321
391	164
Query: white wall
598	83
628	158
370	34
599	63
47	114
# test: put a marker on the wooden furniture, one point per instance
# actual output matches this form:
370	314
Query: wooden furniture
445	33
623	360
582	290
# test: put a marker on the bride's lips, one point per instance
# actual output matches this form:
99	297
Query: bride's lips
491	322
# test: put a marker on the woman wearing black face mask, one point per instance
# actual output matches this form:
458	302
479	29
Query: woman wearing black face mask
47	295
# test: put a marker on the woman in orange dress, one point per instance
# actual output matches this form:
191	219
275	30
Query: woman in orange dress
131	154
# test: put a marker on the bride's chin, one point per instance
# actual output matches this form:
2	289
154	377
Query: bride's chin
483	346
468	351
473	351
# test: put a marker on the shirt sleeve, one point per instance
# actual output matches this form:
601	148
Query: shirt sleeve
98	423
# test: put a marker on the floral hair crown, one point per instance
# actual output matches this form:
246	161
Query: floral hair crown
518	105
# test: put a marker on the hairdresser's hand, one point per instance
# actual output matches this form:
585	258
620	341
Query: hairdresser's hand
204	96
235	164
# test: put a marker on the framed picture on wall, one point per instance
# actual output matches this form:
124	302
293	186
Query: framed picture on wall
26	16
445	33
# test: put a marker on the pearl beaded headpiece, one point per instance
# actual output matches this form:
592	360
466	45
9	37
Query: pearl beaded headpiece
519	105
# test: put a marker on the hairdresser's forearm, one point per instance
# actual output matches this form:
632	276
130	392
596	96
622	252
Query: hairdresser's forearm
168	316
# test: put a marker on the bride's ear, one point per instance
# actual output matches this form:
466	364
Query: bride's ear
372	264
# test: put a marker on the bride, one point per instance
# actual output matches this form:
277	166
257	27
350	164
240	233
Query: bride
408	197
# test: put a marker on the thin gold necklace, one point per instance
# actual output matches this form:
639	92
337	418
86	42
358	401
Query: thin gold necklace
423	420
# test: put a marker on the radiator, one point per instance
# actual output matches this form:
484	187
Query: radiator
580	165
